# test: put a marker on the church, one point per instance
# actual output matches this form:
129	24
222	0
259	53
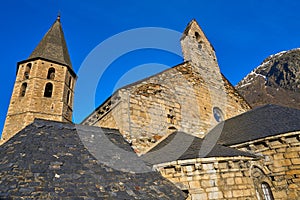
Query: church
186	133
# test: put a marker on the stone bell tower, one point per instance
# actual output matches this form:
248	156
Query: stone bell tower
220	98
44	86
197	49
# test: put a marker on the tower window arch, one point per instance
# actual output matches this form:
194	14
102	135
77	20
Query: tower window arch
70	81
267	191
197	36
27	70
68	97
23	89
51	73
48	90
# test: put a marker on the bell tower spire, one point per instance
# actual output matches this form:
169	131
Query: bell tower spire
44	86
53	45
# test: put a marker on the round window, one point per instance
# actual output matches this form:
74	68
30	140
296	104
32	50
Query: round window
218	114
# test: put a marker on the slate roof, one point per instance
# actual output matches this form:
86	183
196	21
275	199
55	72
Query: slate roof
48	160
261	122
53	46
268	120
182	146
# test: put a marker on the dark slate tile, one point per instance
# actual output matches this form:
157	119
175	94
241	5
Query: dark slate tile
52	162
182	146
268	120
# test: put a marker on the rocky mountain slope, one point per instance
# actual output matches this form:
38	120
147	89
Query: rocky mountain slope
276	81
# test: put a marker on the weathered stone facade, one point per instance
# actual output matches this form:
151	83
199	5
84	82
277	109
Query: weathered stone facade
211	178
280	166
184	98
254	156
181	98
43	88
240	177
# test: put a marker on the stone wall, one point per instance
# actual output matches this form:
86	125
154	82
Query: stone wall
280	167
114	113
211	178
23	109
233	97
191	97
176	99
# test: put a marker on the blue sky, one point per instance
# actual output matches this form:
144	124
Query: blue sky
243	33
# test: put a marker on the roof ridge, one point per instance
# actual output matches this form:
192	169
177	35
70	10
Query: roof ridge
259	108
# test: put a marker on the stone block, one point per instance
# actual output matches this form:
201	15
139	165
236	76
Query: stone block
215	195
246	192
269	152
296	161
279	169
296	180
242	187
280	183
291	140
202	196
282	150
282	163
197	177
183	178
227	193
223	165
230	181
292	149
227	175
293	186
170	170
189	168
238	193
294	154
194	184
292	172
207	183
238	180
278	156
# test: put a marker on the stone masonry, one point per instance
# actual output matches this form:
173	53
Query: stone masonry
256	156
181	98
24	109
240	178
280	166
44	86
211	178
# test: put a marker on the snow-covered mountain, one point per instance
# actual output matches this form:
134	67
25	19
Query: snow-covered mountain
276	80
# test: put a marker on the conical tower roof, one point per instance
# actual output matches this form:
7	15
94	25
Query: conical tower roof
53	46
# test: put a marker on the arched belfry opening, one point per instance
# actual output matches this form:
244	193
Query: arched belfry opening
197	36
23	89
48	90
51	73
70	81
68	97
27	71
